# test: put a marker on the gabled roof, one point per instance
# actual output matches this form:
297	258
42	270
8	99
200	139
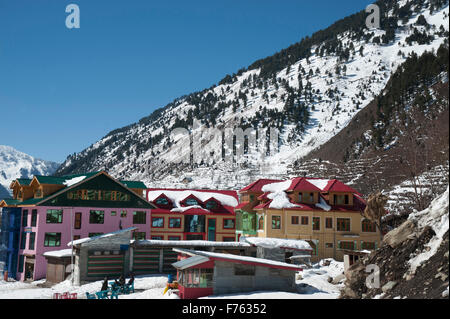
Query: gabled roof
86	240
337	186
256	186
303	185
9	202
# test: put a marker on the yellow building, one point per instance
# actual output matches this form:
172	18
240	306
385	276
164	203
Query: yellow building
326	213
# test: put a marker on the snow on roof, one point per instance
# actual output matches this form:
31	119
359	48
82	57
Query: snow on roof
237	258
58	253
189	262
89	239
177	196
73	181
323	204
191	243
278	196
276	243
319	183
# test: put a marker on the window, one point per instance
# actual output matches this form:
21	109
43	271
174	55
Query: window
139	217
21	263
94	234
191	202
158	222
368	226
38	193
228	239
228	224
123	213
174	238
316	223
252	198
174	222
162	201
96	217
276	222
328	245
343	224
196	278
23	240
348	245
54	216
33	217
305	220
328	222
139	235
311	197
300	197
368	245
113	213
31	241
244	270
294	220
52	240
341	199
25	218
211	204
157	237
77	224
194	224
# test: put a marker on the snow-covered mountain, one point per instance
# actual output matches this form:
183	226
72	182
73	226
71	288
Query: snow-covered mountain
15	164
308	92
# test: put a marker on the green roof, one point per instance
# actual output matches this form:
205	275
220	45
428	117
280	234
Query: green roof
24	181
31	201
60	180
11	202
134	184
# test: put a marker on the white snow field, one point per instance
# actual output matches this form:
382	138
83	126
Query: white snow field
313	284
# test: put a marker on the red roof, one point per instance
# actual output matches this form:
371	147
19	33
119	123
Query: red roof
243	204
302	184
256	187
337	186
224	192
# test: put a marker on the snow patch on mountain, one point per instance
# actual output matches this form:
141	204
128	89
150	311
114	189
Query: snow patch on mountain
15	164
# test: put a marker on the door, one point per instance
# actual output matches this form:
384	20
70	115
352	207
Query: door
29	271
211	229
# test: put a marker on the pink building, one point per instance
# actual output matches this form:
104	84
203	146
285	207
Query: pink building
68	208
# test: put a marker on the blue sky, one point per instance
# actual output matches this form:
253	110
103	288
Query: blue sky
63	89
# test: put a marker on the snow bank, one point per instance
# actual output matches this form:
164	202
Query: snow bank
436	216
322	204
319	183
276	243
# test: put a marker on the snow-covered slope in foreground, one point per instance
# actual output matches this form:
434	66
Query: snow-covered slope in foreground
435	216
15	164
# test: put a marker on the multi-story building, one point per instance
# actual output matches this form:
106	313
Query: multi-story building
326	213
58	210
183	214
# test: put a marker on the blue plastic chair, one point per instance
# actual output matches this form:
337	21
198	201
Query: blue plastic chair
102	294
114	294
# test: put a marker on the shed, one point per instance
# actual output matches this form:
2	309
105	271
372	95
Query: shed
102	256
58	265
204	273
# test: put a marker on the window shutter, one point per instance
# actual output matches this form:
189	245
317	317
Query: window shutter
339	244
355	245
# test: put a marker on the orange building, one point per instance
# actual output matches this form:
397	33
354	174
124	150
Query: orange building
183	214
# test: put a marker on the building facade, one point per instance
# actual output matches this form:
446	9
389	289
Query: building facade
325	213
58	210
182	214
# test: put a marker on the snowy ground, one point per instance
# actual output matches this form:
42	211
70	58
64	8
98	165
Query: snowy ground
312	285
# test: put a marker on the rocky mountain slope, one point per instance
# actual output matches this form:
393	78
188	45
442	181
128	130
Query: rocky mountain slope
309	93
15	164
413	260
